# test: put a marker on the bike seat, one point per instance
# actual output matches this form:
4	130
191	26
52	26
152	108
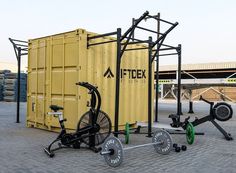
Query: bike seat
55	108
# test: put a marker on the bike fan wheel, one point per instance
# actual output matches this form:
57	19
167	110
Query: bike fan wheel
103	121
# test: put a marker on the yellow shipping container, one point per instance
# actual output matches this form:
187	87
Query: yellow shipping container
57	62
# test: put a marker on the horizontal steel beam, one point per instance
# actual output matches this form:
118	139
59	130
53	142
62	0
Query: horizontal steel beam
94	44
135	42
149	30
142	48
18	40
102	35
168	54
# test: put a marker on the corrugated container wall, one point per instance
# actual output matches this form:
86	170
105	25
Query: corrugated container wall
57	62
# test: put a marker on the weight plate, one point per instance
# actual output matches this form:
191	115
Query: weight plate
165	139
222	111
114	145
127	133
103	121
190	133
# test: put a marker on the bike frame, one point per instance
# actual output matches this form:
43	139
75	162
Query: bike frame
85	132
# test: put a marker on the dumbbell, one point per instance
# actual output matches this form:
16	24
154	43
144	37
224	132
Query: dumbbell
177	148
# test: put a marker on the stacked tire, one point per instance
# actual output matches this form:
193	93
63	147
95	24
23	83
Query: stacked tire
10	87
2	79
1	86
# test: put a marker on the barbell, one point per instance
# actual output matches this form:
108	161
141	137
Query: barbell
113	151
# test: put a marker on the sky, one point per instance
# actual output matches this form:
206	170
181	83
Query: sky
206	30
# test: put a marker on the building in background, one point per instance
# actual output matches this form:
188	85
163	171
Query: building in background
214	81
8	65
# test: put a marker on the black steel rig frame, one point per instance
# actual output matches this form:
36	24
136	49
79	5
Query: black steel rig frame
21	49
154	49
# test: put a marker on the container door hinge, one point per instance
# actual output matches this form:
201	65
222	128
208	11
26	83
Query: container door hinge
79	67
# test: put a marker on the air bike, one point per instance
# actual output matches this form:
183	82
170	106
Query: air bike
93	127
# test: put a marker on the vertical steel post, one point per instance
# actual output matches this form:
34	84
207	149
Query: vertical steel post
18	85
190	103
179	106
190	107
150	87
117	94
133	21
157	70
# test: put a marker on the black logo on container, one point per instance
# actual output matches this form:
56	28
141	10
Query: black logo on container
108	73
127	73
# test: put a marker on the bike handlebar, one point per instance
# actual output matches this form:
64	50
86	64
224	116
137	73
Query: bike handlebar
87	85
81	83
92	89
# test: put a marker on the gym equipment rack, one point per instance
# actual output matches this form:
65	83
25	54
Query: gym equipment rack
154	48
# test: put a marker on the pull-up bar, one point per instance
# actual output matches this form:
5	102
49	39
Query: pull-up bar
135	24
100	36
149	30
